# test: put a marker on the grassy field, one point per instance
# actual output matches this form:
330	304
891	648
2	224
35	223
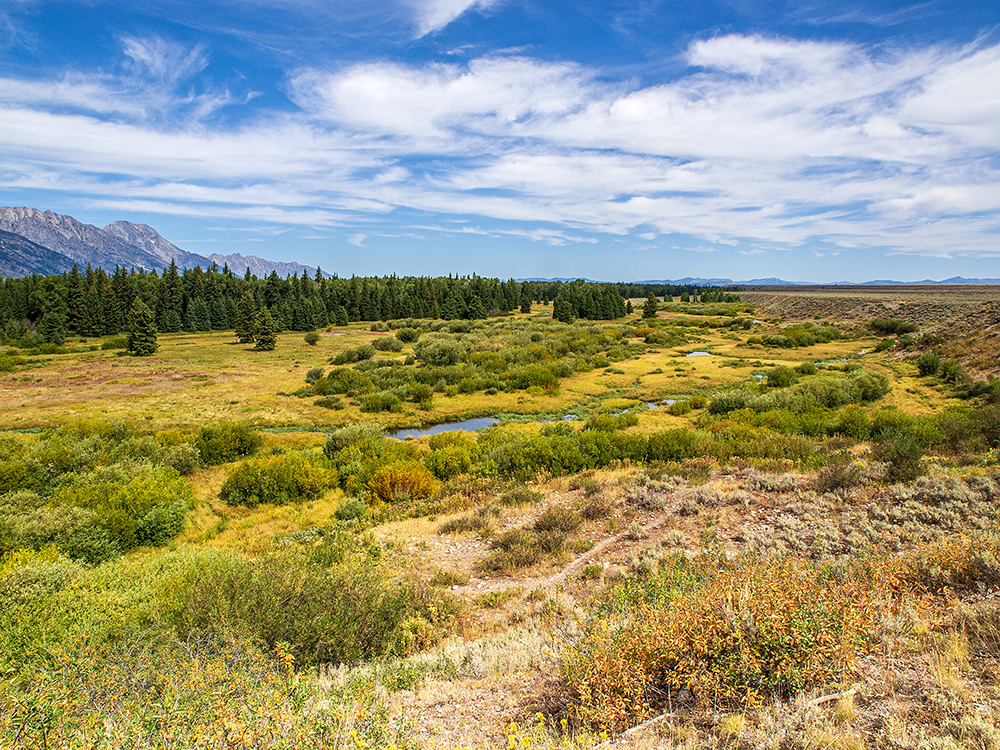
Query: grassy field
196	379
659	570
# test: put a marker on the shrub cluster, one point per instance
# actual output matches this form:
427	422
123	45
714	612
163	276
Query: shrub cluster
226	442
731	631
93	491
278	479
892	326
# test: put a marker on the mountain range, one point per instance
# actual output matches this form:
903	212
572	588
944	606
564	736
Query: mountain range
771	281
44	242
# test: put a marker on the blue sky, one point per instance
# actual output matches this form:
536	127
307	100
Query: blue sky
612	140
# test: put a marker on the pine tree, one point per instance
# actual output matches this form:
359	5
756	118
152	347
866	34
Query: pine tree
141	330
525	299
650	306
266	332
246	319
562	309
198	316
52	328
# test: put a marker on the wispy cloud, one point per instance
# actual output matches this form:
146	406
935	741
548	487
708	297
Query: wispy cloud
432	15
765	142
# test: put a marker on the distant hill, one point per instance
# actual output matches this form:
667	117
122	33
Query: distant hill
45	242
771	281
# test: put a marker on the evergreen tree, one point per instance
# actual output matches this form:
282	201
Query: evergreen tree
246	319
562	309
650	306
74	299
52	328
141	330
477	310
198	316
266	332
628	308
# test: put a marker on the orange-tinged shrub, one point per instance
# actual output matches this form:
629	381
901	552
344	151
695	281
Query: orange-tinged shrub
390	482
730	632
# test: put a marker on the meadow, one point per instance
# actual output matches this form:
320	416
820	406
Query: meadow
768	522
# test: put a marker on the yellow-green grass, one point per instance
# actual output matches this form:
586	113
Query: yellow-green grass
197	379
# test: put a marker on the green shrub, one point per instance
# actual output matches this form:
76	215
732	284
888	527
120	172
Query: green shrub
901	451
854	422
226	442
611	422
350	509
727	401
115	342
679	408
76	532
344	380
349	356
387	344
351	610
277	479
891	326
135	505
953	372
376	402
928	363
450	461
311	338
408	335
314	374
806	368
438	351
781	377
329	402
419	392
671	445
342	437
184	458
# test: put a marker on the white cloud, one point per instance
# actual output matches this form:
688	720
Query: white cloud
767	143
432	15
357	239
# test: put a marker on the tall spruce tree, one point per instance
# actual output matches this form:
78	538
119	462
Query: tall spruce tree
246	319
266	332
650	306
141	340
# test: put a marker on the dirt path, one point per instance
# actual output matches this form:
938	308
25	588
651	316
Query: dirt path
574	567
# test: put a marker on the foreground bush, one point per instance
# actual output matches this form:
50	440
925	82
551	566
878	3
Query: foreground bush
278	479
740	632
199	648
731	632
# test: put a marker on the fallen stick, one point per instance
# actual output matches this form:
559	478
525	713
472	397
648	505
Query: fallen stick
832	697
636	728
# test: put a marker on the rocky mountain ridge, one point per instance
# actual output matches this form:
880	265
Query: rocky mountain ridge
44	242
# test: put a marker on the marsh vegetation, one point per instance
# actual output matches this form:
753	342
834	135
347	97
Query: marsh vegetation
212	546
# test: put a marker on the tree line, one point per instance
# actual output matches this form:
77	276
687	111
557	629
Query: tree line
95	303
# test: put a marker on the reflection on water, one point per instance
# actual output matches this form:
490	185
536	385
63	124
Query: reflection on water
469	425
700	354
658	404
